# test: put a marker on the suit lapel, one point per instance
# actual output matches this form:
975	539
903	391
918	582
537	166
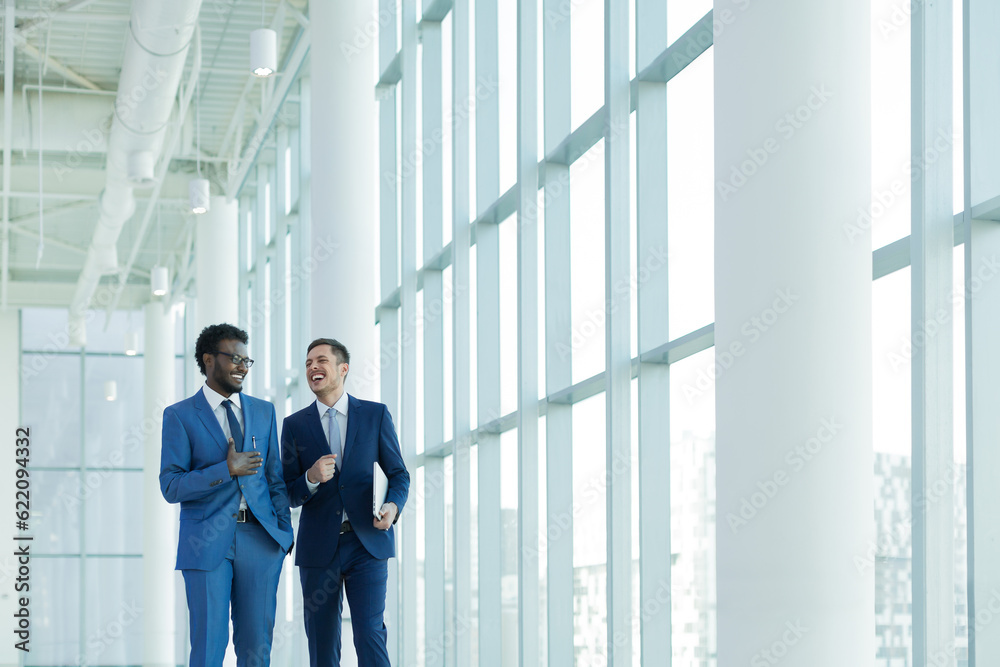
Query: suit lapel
248	410
209	420
353	419
316	429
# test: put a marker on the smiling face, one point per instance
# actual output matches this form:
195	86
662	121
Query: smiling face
221	374
326	374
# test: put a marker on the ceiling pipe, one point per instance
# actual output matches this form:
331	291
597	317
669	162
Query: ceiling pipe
155	51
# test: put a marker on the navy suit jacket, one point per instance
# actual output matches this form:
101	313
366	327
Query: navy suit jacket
370	437
194	472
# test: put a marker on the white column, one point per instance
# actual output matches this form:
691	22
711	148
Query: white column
344	202
158	546
793	326
932	242
217	269
10	416
982	317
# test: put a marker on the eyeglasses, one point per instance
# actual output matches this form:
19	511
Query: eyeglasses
237	359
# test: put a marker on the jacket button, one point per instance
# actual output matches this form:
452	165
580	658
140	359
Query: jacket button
234	516
341	487
338	512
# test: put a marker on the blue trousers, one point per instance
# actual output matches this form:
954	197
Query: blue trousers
363	578
247	581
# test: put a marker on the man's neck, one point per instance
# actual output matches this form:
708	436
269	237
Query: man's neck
217	389
330	399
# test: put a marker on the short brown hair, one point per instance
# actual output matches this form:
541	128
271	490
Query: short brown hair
343	356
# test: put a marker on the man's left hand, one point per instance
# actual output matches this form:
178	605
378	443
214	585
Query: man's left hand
388	512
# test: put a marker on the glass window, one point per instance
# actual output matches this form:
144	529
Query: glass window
590	606
586	177
891	557
587	55
113	517
56	509
889	216
55	609
114	435
50	407
692	512
691	203
114	611
508	315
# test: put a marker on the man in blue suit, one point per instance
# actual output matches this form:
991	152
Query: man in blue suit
235	523
328	450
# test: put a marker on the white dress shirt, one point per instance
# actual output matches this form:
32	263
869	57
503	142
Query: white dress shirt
215	400
340	417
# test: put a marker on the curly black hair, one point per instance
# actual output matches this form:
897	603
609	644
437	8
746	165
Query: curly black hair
211	336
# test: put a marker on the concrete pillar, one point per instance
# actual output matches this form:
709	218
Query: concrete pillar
344	201
10	416
217	269
793	333
158	543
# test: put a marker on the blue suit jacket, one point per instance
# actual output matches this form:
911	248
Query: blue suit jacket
370	437
194	472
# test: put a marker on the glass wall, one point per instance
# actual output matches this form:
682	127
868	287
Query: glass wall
86	470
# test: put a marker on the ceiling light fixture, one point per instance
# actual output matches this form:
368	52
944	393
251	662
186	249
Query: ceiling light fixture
199	193
160	280
199	190
131	343
263	52
110	390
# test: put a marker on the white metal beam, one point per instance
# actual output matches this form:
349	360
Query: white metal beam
932	241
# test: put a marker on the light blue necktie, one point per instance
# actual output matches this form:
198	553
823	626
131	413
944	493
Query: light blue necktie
333	438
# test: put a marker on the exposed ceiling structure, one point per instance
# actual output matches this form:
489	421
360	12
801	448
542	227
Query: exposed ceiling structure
69	58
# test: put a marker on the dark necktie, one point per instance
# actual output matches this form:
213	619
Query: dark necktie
234	425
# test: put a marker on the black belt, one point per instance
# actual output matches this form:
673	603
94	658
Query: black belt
346	528
246	516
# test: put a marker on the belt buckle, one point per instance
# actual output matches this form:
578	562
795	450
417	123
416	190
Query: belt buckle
241	516
348	528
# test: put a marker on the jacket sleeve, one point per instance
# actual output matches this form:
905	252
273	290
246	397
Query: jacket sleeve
291	461
391	459
178	482
275	479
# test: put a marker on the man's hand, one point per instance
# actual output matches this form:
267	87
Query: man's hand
323	469
388	513
242	463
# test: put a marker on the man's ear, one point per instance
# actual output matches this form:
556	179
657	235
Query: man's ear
208	360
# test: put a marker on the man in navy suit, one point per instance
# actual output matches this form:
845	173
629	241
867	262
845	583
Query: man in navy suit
328	450
220	460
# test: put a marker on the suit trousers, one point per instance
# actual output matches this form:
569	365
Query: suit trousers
363	577
247	578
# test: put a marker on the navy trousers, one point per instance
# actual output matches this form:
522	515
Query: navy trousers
354	571
246	580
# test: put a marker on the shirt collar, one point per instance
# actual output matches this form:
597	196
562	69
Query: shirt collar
340	406
215	399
